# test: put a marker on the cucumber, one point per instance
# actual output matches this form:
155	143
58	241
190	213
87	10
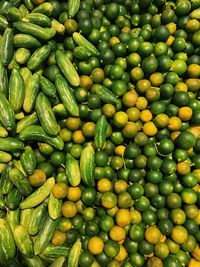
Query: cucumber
60	110
26	41
7	243
39	19
47	87
35	261
23	241
36	219
45	8
3	23
74	254
72	170
26	75
25	216
35	132
51	72
22	55
52	251
27	121
13	14
5	184
195	14
39	195
87	165
23	10
73	7
58	262
39	57
16	90
31	92
44	236
28	160
82	41
2	201
12	217
46	115
28	3
7	115
10	144
4	5
6	47
13	263
5	157
2	167
57	26
81	52
15	3
18	179
37	31
67	68
106	95
66	96
13	198
18	165
54	207
3	132
100	132
3	79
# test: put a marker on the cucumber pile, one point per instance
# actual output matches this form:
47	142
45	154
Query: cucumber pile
99	133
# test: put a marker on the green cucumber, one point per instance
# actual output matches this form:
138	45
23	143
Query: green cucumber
7	243
45	8
28	160
66	96
81	52
22	55
67	68
23	10
39	19
3	79
36	219
28	4
74	254
37	31
12	263
54	207
35	261
3	132
15	3
22	184
82	41
5	157
31	92
87	165
6	47
18	165
13	198
5	184
23	241
10	144
73	7
45	234
46	115
26	75
4	5
3	23
52	251
26	41
51	72
2	201
25	216
27	121
16	90
72	170
106	95
100	132
7	115
13	14
39	195
57	26
12	217
60	110
39	57
35	132
47	87
58	262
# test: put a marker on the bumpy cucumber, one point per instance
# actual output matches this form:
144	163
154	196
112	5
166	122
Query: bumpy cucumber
87	165
52	251
106	95
12	217
82	41
28	160
54	207
72	170
39	57
27	121
13	198
35	261
47	87
45	8
3	79
6	47
26	41
36	219
7	115
74	254
100	132
5	183
73	7
25	216
39	19
11	144
58	262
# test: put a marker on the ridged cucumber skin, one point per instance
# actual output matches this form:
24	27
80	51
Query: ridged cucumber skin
87	165
38	57
2	200
100	132
6	47
66	96
27	121
45	233
73	7
52	251
23	241
3	79
26	41
106	95
16	90
5	184
81	52
5	157
45	8
35	261
28	160
7	243
54	207
18	179
35	132
25	216
12	217
67	68
72	170
39	195
46	115
13	198
58	262
39	19
31	92
47	87
7	115
10	144
82	41
74	254
3	23
36	219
